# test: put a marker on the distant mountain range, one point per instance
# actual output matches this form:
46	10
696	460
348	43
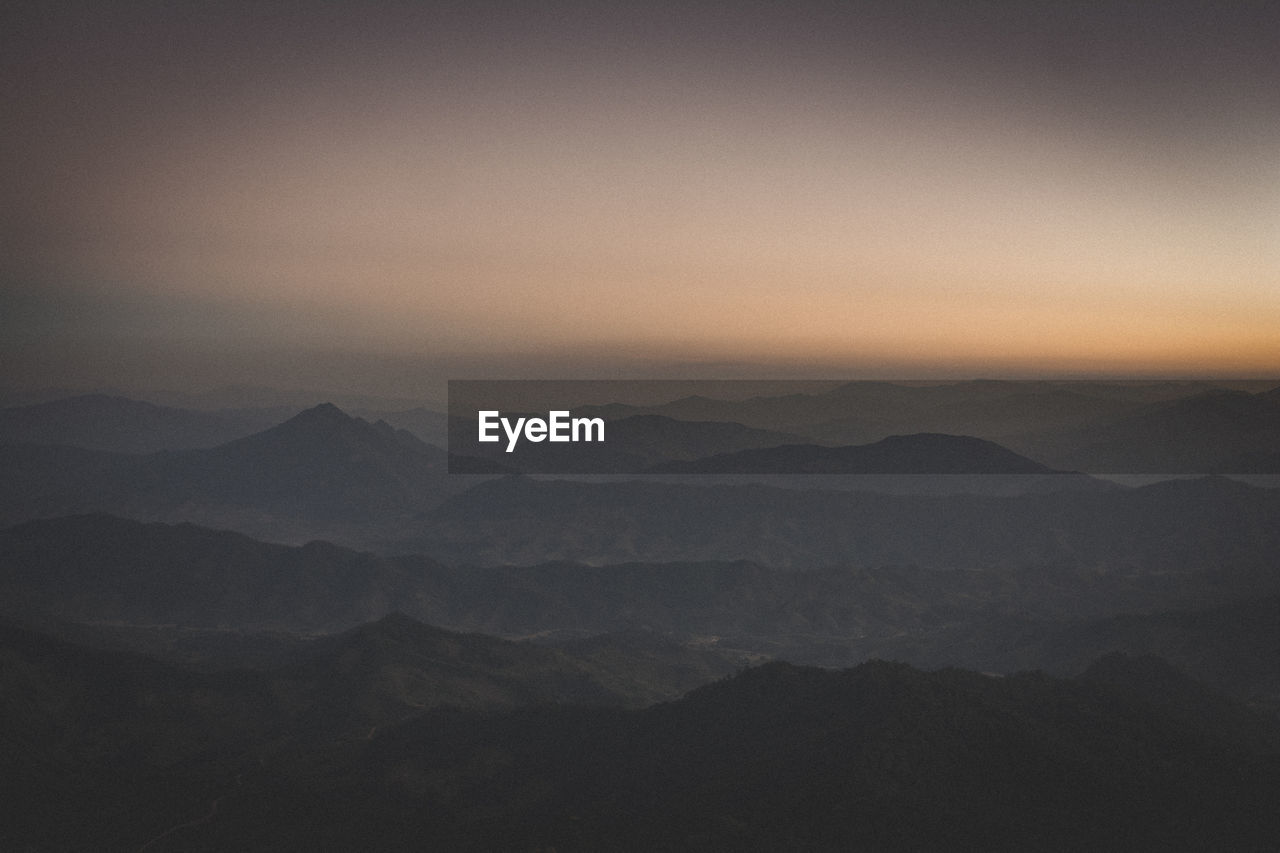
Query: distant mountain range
597	662
104	571
864	411
316	472
926	453
98	568
1095	427
1213	432
324	474
993	430
119	425
1169	527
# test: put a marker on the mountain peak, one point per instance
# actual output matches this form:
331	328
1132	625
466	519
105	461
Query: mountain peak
323	410
325	419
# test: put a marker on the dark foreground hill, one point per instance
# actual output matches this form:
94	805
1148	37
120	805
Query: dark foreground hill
881	757
111	752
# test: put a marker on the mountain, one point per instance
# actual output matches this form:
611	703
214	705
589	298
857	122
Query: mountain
426	424
404	737
376	674
1093	426
878	757
392	669
179	585
97	568
1001	411
321	462
116	424
318	473
1214	432
1152	680
866	411
104	748
290	399
1166	530
926	453
1235	648
40	481
104	570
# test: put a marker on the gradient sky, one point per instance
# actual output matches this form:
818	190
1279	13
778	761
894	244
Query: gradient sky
366	194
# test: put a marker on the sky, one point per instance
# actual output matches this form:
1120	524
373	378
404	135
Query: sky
387	195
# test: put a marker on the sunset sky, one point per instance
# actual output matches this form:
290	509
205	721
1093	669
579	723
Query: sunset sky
383	194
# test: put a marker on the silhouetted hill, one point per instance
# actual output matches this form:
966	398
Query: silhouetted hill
47	480
319	464
865	411
652	665
868	411
1214	432
422	666
1235	648
375	674
1099	427
323	448
106	749
986	594
926	453
101	422
1151	679
391	669
104	569
879	757
107	570
404	737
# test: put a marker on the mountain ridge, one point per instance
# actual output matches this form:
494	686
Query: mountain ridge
919	453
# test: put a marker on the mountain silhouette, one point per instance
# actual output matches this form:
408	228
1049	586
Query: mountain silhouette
879	757
925	453
426	739
319	467
1208	524
1217	431
120	425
